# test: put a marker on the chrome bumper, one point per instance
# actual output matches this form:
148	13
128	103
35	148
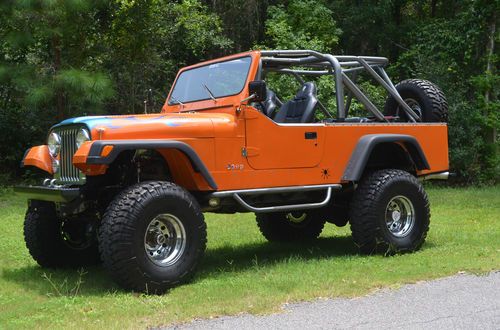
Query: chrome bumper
48	193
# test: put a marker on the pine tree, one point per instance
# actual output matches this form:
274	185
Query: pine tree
49	55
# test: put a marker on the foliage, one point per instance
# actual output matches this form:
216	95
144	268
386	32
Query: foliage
63	58
450	52
148	40
302	24
46	54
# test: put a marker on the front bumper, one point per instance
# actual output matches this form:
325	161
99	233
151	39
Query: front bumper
48	193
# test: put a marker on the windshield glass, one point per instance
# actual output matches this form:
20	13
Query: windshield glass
212	80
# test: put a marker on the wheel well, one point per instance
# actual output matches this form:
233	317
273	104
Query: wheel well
152	166
132	166
182	159
129	167
390	155
385	151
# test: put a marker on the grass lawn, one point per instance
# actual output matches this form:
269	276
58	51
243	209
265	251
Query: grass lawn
241	272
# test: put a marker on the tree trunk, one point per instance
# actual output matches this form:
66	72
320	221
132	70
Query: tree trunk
490	49
396	13
56	45
397	17
433	8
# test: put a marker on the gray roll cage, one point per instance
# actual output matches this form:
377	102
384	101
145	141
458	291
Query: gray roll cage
313	63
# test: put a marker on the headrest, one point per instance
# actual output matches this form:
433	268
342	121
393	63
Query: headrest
308	89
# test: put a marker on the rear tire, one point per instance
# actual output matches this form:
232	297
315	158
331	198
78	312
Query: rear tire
425	98
152	237
389	213
54	242
290	226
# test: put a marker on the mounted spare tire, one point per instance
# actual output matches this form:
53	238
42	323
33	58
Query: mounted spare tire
425	98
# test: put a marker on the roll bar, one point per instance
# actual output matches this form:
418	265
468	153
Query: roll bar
338	66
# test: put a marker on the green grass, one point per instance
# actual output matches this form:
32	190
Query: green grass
242	272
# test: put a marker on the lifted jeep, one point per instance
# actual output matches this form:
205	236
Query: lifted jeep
131	190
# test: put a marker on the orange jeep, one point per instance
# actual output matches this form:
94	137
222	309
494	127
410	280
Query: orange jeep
130	190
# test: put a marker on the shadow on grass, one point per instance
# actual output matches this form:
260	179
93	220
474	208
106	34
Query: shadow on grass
96	282
241	258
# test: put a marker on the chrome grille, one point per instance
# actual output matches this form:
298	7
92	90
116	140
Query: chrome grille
68	174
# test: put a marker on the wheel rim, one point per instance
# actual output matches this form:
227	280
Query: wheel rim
414	105
165	240
400	216
296	217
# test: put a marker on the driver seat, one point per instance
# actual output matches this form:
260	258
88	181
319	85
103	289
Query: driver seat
301	108
271	103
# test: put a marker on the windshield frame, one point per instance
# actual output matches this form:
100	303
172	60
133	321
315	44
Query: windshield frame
171	102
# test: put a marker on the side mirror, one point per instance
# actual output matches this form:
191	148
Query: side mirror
258	89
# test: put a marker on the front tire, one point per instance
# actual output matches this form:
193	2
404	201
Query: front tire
152	237
56	242
290	226
389	213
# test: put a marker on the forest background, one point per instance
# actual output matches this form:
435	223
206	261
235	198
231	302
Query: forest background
66	58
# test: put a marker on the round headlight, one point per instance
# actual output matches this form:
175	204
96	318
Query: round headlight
54	144
82	136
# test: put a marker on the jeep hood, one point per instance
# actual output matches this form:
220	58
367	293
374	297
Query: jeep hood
151	126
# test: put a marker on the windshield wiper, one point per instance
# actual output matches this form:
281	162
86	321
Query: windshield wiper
176	100
209	92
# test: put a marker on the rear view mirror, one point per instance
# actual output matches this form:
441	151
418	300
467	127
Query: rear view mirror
258	89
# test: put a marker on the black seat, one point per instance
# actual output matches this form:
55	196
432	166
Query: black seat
301	108
271	103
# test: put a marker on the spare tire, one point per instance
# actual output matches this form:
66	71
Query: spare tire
424	97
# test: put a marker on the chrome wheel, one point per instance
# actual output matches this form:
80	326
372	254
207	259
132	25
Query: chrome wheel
399	216
165	240
296	217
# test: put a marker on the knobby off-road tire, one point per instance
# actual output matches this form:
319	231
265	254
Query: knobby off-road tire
389	213
290	226
424	97
152	237
51	245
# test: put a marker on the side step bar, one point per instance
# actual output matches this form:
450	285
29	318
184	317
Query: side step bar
236	194
435	176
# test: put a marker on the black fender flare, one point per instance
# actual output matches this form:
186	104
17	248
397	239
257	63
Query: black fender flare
364	148
94	156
